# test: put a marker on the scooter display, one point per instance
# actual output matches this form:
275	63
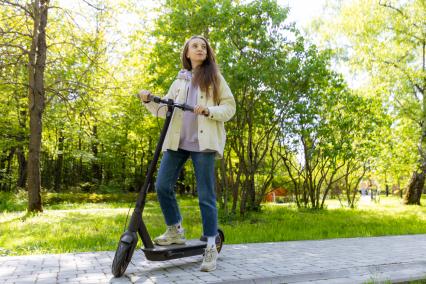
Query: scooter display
129	239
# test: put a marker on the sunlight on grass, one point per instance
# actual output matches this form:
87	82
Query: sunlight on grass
98	226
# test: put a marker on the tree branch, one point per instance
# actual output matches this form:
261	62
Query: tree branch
16	4
398	10
24	51
93	6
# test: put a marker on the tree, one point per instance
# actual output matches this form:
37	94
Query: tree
249	41
366	121
13	122
36	39
308	126
387	40
66	71
327	130
396	158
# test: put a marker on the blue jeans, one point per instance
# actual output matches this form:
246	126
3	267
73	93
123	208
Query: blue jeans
171	165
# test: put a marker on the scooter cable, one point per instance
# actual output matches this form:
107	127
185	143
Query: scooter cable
158	121
130	206
127	217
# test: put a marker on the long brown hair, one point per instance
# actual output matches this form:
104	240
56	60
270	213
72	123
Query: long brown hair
207	74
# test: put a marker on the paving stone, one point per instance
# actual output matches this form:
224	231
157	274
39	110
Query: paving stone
351	260
46	280
6	271
44	274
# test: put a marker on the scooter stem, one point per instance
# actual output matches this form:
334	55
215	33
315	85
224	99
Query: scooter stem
140	203
136	223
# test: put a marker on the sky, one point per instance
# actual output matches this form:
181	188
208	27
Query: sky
303	11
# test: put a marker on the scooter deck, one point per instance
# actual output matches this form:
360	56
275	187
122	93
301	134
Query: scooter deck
190	248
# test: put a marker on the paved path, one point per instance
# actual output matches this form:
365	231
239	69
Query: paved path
352	260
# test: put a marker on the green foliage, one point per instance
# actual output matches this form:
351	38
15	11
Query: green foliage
10	202
249	42
98	229
333	132
384	41
291	106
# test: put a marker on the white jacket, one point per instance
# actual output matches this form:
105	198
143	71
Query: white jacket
211	130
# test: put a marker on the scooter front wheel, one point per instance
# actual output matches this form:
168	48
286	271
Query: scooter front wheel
121	258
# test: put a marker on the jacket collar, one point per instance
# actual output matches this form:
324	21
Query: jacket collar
185	75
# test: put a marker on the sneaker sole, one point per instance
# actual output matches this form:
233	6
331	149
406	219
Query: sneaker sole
203	269
165	243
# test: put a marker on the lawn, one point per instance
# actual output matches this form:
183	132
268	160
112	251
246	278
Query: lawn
74	225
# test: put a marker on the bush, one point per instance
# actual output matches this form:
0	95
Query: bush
284	199
10	201
88	187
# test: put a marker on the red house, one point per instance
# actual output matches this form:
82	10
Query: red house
272	195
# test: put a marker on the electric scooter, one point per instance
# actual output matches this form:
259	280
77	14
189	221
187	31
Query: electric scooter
129	239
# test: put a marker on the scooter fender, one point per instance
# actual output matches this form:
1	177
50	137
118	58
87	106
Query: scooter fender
129	238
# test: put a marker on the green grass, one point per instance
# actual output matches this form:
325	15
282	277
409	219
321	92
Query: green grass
76	226
10	202
420	281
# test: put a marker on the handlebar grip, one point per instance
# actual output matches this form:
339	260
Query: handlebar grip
170	102
150	97
187	107
154	98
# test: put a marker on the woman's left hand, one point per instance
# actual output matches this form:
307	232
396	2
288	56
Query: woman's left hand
199	109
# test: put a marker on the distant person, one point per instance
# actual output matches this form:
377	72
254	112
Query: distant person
199	135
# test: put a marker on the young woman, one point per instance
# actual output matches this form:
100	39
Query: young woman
199	135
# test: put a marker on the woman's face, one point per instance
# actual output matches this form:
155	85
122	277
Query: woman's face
197	51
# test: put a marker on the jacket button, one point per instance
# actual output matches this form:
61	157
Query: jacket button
201	131
201	96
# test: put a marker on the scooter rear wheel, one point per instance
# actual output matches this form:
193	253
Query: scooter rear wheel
220	239
121	259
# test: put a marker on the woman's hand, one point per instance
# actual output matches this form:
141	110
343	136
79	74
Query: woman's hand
144	96
199	109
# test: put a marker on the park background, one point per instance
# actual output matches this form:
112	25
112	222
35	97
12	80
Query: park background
325	109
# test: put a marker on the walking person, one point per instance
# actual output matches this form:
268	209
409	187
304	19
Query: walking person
199	135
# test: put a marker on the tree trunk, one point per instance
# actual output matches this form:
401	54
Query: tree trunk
243	200
415	188
123	167
59	162
96	168
2	166
252	192
36	102
81	176
235	191
5	177
218	188
22	167
225	185
20	152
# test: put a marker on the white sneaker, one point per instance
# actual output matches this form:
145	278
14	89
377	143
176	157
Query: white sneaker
209	260
172	236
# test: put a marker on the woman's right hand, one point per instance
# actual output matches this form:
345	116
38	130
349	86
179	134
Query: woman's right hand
144	96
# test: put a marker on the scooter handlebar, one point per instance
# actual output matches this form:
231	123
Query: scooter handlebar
169	102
